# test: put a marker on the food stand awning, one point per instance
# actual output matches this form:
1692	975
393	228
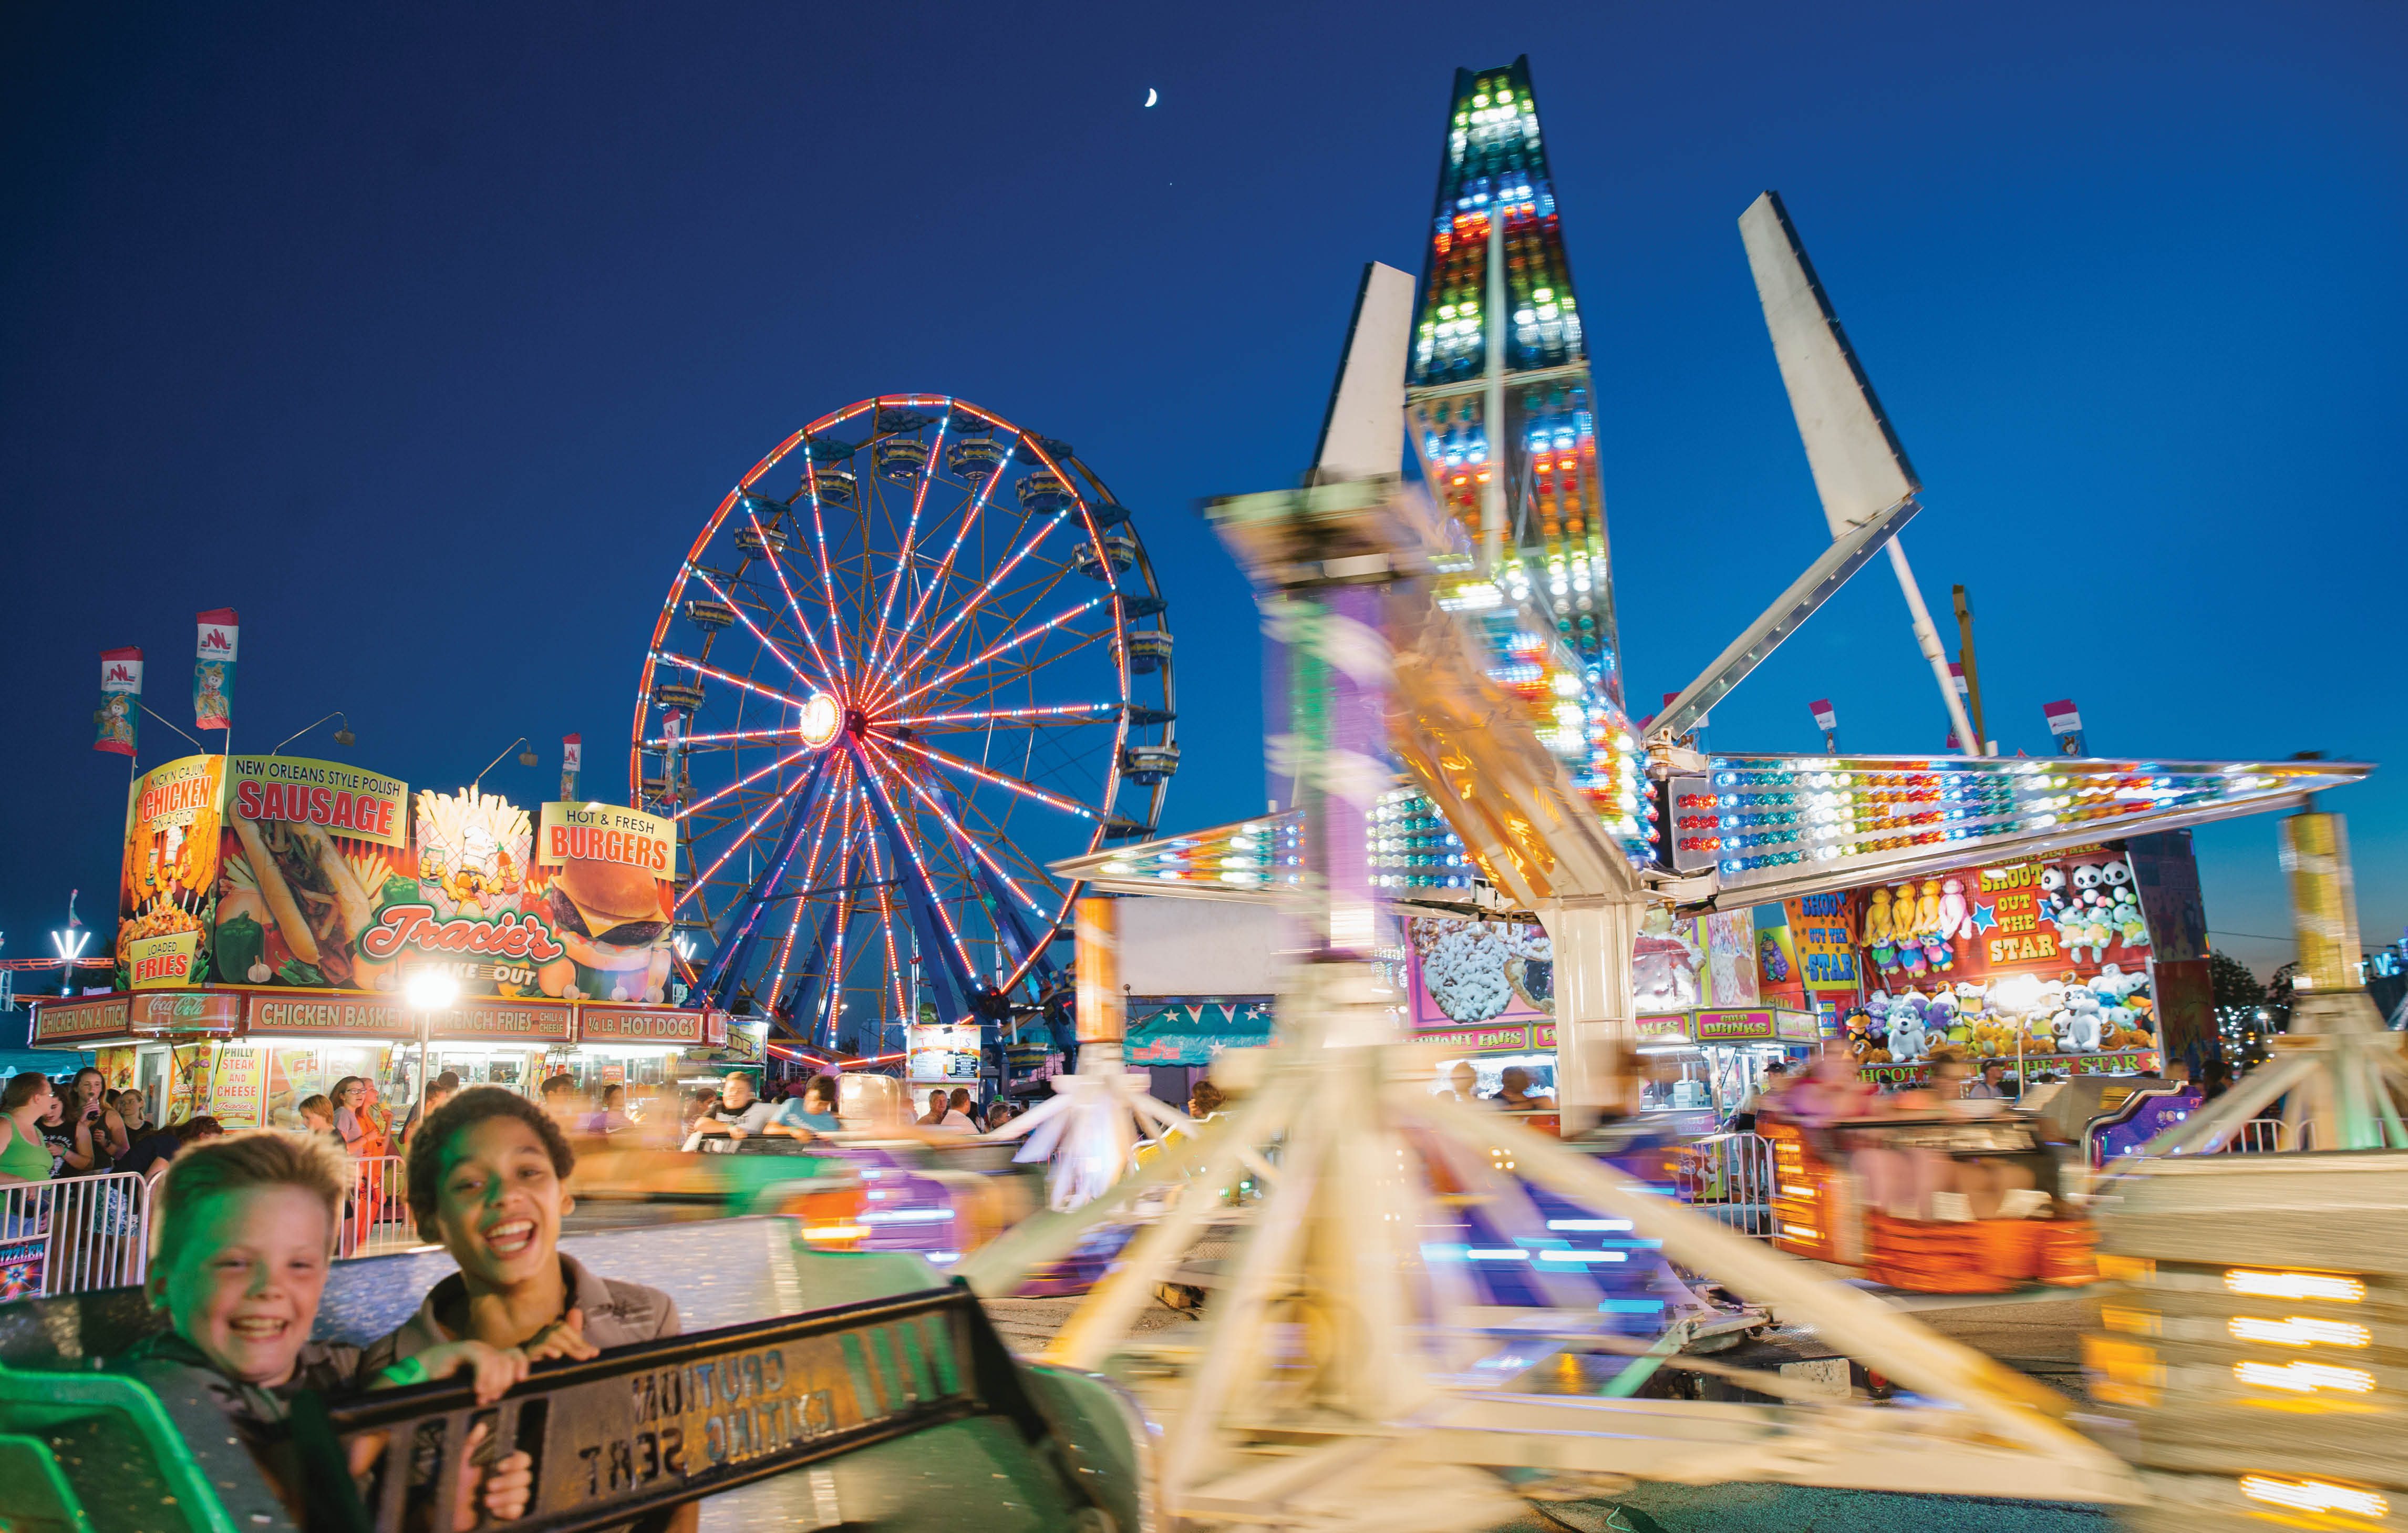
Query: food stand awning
281	1014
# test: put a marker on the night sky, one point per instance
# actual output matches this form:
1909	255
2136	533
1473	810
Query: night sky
427	339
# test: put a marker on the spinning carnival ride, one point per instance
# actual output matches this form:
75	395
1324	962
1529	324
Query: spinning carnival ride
1348	1377
916	653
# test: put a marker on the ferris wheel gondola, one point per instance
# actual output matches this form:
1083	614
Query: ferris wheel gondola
914	656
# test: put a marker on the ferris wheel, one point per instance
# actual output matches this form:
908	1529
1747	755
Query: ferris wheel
915	655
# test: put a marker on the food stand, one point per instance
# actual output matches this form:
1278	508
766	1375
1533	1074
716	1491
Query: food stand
271	908
1728	1048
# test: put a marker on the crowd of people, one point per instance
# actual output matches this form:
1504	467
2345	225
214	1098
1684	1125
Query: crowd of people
75	1126
52	1130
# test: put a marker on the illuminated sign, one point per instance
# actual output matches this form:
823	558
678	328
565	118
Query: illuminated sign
163	963
55	1022
643	1024
1478	1039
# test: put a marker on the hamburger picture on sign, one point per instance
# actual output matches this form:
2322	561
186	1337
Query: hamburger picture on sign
605	873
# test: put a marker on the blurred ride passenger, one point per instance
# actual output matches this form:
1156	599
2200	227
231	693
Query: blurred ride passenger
1766	1090
612	1116
737	1115
809	1115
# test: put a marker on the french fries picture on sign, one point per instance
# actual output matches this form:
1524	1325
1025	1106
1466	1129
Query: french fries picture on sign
170	874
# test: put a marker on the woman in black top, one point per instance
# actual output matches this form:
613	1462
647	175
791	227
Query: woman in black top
135	1114
70	1142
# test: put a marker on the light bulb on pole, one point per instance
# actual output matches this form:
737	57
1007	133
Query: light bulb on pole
526	758
427	991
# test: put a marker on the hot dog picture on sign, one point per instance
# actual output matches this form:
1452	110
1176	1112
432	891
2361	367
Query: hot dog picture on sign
307	850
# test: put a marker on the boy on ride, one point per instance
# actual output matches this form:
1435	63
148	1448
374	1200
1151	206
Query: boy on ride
246	1234
489	1179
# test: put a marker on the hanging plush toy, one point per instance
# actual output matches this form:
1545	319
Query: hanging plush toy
1927	909
1953	920
1877	932
2082	920
2090	1020
1911	959
2124	907
1907	1036
2052	895
1941	1019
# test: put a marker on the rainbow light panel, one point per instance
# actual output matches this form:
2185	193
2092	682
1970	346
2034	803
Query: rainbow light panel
1262	856
1751	818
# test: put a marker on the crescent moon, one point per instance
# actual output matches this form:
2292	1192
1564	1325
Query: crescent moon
1151	95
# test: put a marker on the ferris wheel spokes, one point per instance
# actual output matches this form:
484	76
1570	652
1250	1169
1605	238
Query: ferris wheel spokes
945	565
802	903
752	504
1009	783
770	644
935	802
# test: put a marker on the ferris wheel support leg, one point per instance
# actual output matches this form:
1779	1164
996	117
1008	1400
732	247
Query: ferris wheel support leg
729	962
1595	1036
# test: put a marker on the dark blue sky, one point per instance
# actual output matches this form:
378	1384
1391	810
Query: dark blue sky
426	338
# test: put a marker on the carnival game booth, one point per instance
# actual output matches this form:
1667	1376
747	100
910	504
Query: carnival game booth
2089	961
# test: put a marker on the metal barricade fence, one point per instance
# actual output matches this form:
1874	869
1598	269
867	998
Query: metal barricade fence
1729	1177
376	1210
2263	1135
74	1235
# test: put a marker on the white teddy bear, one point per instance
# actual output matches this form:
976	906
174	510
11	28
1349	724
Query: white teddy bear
2088	1021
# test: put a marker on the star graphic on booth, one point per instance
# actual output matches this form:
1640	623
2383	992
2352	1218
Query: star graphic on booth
1984	917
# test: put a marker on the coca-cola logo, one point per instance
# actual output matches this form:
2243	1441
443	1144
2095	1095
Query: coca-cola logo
510	935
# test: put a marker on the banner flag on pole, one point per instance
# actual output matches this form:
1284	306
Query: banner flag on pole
1956	678
2065	723
572	755
214	669
1825	718
118	726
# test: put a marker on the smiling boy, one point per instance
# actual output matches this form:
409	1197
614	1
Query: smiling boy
488	1177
